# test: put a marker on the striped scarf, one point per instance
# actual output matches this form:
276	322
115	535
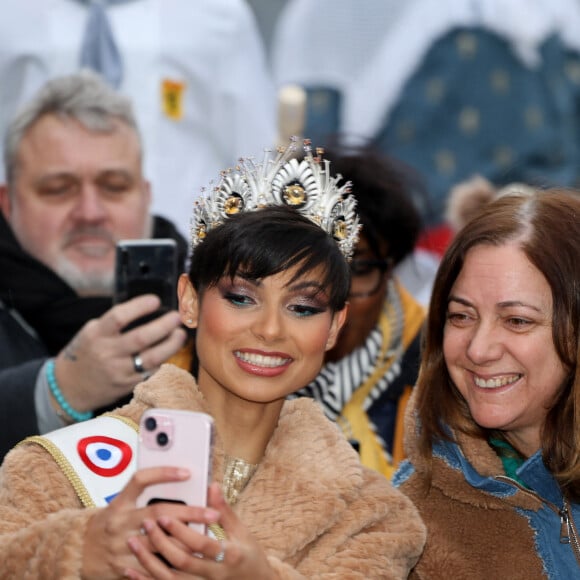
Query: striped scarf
337	381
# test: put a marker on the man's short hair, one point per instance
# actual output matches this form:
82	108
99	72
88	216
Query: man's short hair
83	96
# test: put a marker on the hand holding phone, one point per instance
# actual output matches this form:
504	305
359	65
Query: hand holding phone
179	439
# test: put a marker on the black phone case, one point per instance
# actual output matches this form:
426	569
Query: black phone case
147	267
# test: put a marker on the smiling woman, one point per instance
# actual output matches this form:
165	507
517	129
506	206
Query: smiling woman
267	325
493	430
498	344
266	293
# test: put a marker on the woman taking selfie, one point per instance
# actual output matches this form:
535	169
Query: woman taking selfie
493	429
266	293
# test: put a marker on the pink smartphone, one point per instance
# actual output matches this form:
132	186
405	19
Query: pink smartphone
178	439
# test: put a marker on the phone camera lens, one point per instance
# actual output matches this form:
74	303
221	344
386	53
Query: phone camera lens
150	424
162	439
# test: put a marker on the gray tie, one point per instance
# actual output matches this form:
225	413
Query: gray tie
99	50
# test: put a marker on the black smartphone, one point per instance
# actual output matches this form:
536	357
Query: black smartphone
147	266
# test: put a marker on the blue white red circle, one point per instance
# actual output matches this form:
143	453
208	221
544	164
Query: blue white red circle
105	456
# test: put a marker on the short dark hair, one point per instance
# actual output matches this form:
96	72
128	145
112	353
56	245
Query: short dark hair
268	241
384	188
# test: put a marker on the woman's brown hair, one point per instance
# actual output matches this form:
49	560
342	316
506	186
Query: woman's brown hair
546	226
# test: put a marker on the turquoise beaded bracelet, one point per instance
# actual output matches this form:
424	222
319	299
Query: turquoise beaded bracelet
57	394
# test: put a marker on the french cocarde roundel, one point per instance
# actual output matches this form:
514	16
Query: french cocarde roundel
105	456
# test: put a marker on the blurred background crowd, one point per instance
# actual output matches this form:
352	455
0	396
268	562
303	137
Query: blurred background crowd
486	87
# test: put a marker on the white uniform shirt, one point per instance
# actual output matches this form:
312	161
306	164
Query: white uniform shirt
195	70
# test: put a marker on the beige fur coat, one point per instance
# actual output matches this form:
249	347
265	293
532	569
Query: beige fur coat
316	511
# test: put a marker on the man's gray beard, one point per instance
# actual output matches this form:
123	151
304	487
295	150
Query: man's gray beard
86	283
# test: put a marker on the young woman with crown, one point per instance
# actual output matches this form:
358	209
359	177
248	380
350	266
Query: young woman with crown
266	293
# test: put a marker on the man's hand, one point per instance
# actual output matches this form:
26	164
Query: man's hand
97	367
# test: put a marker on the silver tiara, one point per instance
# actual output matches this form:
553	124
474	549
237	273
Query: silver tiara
280	179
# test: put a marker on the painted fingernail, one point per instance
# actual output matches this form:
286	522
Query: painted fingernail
212	515
163	521
133	543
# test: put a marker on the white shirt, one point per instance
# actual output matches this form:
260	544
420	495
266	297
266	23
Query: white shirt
208	54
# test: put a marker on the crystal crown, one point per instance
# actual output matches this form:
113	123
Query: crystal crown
281	179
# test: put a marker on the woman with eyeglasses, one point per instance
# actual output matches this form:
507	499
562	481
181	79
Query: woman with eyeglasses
368	375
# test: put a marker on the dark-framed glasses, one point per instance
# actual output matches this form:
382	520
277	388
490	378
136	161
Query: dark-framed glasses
366	276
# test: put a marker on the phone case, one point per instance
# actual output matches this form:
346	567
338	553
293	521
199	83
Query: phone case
178	439
147	266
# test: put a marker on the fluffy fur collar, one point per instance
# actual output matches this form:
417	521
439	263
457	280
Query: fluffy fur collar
306	459
449	480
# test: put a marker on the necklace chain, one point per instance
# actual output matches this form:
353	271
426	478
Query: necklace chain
238	473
